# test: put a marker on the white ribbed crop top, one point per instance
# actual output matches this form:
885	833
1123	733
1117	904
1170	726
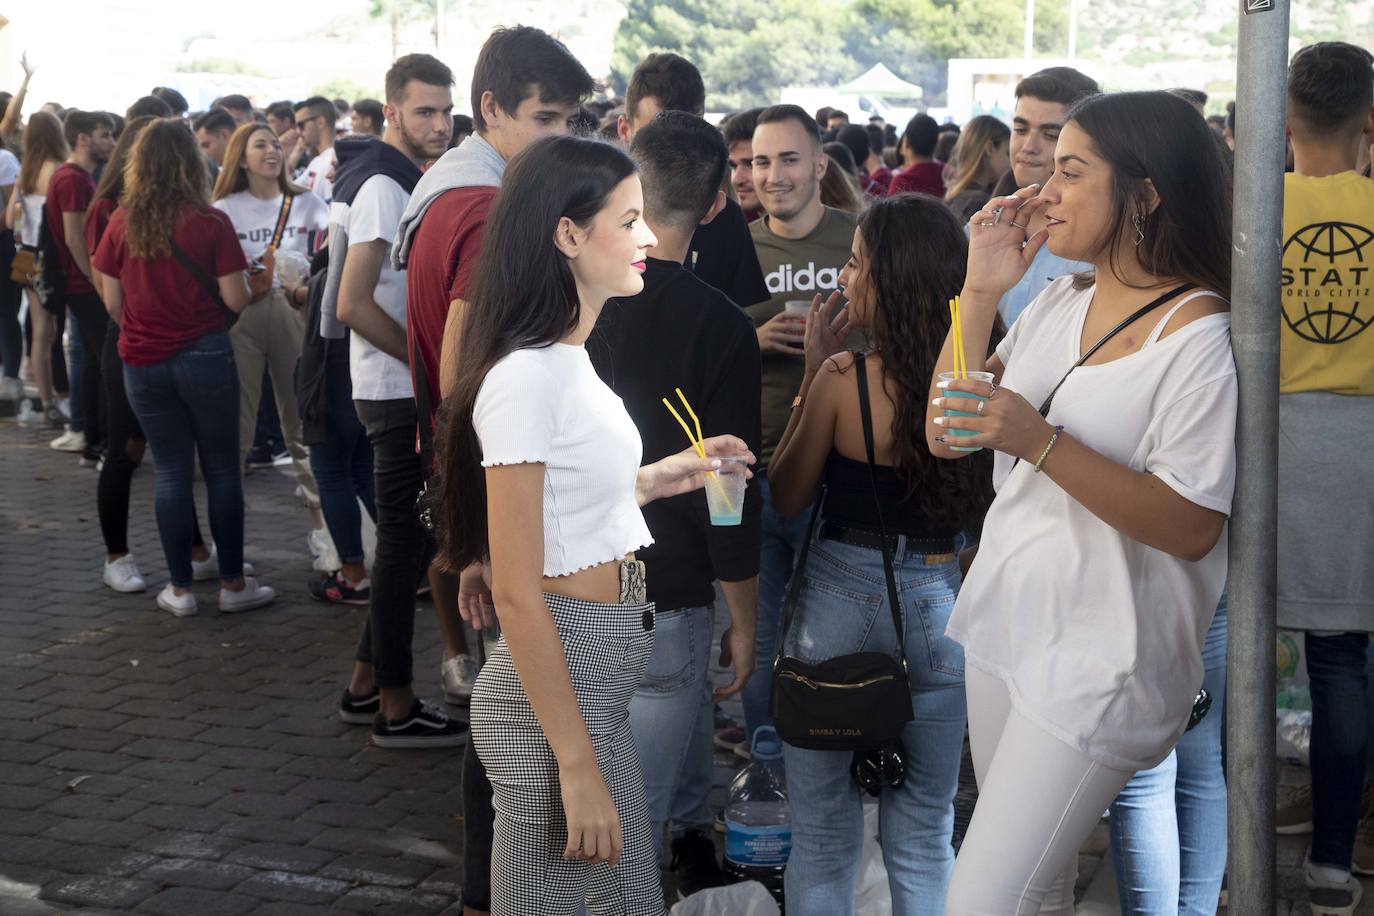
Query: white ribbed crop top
548	406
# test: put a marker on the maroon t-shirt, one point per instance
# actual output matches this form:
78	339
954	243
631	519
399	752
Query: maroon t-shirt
97	219
441	267
71	190
165	308
925	177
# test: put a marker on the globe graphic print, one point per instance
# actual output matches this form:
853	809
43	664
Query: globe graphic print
1327	300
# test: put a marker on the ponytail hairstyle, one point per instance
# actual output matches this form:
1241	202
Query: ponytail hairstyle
524	296
1160	137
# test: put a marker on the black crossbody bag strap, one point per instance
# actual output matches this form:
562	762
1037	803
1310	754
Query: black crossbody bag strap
866	415
422	410
1127	322
206	282
1132	319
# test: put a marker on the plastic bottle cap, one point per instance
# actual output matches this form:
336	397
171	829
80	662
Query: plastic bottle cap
766	744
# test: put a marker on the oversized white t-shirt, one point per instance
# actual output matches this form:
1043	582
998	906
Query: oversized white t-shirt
255	220
547	405
376	214
317	174
1097	636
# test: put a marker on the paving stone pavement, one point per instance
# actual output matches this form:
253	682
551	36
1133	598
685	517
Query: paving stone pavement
195	766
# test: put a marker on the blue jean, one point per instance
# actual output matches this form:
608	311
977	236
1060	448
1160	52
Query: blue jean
843	608
1336	666
342	465
189	403
1168	825
782	540
671	717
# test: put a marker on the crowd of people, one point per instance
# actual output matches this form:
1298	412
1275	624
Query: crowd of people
981	377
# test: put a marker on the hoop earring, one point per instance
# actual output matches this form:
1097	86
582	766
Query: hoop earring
1138	222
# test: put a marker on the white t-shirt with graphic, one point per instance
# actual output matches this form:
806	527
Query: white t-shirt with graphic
255	219
317	175
376	214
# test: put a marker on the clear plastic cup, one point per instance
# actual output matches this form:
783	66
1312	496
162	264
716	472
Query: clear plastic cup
956	433
797	307
725	490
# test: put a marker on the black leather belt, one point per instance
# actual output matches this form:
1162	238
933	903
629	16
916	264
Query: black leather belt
863	537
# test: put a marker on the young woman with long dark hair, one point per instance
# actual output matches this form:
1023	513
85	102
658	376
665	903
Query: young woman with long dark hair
178	365
899	293
540	477
1103	556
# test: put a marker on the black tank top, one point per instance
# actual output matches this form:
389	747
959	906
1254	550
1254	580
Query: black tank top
849	500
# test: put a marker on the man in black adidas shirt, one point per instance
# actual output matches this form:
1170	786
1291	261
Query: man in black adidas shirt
682	333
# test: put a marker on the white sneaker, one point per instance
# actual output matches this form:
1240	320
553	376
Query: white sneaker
458	674
1332	891
207	569
11	389
326	557
177	605
27	416
252	596
122	575
69	441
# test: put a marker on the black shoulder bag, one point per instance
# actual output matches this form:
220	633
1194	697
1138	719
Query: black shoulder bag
855	702
206	282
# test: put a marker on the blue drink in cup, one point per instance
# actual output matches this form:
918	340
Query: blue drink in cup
950	393
725	490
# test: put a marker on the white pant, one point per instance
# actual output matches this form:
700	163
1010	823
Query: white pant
1038	799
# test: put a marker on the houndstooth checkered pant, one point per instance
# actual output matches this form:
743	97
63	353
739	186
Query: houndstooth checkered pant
607	646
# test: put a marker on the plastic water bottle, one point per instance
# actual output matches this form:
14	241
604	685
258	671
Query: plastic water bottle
758	823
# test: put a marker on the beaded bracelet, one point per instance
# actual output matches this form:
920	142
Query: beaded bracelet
1054	437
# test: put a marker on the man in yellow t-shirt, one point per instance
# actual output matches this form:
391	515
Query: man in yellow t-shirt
1326	437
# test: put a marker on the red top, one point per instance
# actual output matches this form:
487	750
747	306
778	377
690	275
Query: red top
71	190
97	219
877	184
165	308
442	264
925	177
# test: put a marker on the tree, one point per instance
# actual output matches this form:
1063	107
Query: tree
398	12
748	51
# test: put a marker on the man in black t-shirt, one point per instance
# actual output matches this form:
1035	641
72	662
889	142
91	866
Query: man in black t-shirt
681	333
722	251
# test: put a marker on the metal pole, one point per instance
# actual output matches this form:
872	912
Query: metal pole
1252	769
1028	48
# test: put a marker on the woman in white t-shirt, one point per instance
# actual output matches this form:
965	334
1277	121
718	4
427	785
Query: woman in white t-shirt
541	476
44	150
254	191
1103	555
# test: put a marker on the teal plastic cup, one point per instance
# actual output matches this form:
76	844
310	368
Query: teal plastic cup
725	490
948	393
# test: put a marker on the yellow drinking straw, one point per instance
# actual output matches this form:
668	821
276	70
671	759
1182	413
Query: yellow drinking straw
956	326
697	444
